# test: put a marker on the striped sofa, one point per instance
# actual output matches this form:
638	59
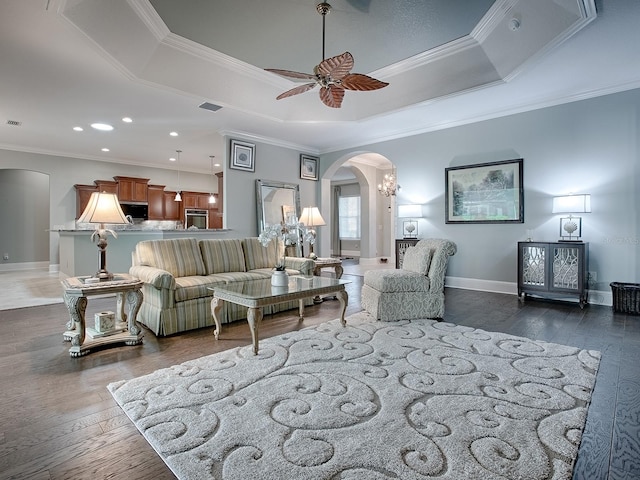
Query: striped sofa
177	273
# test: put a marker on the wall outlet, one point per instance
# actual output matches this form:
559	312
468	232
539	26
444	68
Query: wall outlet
592	278
6	256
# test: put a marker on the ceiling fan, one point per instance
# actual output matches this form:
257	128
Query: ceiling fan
331	74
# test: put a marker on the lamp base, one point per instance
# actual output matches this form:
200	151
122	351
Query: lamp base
103	276
570	241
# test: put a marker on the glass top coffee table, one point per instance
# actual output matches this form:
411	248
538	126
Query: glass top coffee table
255	294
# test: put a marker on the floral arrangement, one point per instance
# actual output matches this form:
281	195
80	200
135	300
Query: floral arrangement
288	233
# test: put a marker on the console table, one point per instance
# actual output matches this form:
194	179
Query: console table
553	269
401	247
76	291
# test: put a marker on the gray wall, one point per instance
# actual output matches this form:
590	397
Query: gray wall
272	162
591	146
24	216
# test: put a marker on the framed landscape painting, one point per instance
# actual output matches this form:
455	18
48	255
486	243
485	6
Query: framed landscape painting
485	193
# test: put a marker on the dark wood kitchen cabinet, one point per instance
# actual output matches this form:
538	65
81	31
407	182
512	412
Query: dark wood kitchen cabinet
132	189
172	208
155	197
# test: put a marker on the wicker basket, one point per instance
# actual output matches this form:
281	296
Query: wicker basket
626	297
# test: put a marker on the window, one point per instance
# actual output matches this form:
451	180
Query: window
349	215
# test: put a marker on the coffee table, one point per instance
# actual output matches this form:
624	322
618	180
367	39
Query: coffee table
255	294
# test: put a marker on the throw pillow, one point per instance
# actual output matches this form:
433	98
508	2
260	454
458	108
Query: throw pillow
417	260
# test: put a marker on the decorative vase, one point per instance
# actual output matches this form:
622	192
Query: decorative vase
279	278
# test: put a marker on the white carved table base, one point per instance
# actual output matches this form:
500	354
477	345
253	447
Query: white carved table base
127	290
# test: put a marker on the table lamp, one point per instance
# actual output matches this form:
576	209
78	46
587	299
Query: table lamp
570	225
103	208
311	218
410	226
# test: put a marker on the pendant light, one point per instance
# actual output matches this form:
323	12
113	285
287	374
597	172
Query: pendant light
212	198
178	197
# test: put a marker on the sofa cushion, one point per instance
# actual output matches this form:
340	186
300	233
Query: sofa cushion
256	256
222	255
417	260
181	256
189	288
396	281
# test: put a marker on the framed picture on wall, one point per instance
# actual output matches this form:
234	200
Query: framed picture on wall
485	193
308	167
242	156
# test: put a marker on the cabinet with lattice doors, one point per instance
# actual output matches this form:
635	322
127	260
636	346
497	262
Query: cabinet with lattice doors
557	270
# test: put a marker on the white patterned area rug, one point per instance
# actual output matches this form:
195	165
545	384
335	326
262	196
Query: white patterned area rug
370	401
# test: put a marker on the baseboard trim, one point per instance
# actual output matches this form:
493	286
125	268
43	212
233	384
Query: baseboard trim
595	297
14	267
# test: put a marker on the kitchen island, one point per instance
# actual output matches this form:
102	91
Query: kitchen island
79	255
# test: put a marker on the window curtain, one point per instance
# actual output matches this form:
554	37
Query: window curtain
336	247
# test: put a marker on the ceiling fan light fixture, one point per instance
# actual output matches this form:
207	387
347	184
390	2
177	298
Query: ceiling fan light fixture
332	75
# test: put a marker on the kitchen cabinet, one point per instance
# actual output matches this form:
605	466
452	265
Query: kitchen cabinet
195	200
155	197
401	247
556	270
132	189
172	209
108	186
161	203
83	194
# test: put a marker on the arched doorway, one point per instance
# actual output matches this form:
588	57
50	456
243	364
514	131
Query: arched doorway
377	222
25	213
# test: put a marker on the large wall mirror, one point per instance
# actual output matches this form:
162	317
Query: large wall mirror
277	202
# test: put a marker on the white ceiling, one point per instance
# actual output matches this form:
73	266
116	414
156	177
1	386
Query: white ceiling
72	62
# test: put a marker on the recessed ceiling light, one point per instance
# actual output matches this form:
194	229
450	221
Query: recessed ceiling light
173	134
105	127
105	149
172	159
127	119
216	164
78	129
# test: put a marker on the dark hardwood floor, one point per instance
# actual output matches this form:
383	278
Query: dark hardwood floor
58	421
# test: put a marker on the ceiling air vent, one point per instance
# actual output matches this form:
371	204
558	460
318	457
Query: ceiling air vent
210	106
14	123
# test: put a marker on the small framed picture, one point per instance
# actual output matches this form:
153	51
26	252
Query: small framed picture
410	229
308	167
242	156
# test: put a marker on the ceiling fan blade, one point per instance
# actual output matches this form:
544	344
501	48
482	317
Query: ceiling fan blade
295	91
336	67
290	74
358	81
332	96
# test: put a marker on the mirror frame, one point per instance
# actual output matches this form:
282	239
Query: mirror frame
260	203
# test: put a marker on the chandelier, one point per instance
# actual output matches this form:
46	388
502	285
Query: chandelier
389	185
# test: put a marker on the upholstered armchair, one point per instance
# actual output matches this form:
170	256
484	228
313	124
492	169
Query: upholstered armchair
414	291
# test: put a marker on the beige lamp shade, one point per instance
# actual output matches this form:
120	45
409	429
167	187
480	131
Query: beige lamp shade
103	207
311	217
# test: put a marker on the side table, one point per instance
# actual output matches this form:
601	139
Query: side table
327	262
76	291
